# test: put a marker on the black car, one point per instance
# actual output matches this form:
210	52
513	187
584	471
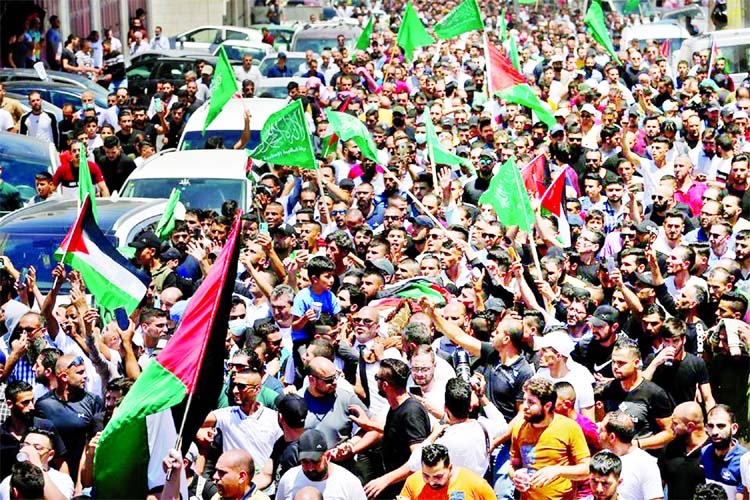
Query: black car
23	157
143	75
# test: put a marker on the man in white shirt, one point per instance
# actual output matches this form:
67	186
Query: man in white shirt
247	71
159	42
332	480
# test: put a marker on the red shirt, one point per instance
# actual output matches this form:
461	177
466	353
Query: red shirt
65	177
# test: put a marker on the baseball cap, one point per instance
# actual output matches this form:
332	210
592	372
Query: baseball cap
559	340
145	239
604	315
739	115
383	266
312	445
713	105
709	83
281	55
489	154
647	226
207	70
495	304
293	408
170	254
588	108
645	278
557	129
423	221
399	110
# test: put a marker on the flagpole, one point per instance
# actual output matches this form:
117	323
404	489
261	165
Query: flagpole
431	152
178	441
488	80
390	64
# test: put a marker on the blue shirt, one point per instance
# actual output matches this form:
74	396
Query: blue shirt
304	301
724	470
276	72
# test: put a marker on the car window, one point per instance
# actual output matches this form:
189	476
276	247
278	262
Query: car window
236	35
138	73
194	193
172	70
62	98
207	35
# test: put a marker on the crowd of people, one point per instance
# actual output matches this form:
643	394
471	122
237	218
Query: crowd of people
389	337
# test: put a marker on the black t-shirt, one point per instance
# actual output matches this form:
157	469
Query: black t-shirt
284	456
504	383
595	357
74	420
646	403
682	473
406	425
116	172
680	379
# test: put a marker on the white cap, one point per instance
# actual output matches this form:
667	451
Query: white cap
558	340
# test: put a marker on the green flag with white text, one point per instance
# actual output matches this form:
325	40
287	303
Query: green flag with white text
464	18
411	33
508	197
351	128
285	139
223	87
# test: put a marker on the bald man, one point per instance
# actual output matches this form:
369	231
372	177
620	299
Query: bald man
681	463
308	493
233	476
169	296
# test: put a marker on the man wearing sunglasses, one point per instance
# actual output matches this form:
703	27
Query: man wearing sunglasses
71	409
26	343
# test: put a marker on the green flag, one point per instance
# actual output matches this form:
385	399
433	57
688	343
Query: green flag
508	197
411	33
513	53
464	18
165	226
527	2
223	87
363	42
440	155
596	24
285	139
503	27
523	95
85	185
328	145
631	6
350	128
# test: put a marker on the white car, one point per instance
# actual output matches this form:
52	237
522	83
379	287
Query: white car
206	37
229	123
236	50
206	178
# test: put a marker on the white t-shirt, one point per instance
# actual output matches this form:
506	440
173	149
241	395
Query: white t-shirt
63	482
745	470
581	380
6	121
254	433
340	484
641	479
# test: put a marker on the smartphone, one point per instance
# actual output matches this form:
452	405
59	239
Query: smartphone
610	263
157	104
263	228
24	273
416	390
197	234
513	254
121	316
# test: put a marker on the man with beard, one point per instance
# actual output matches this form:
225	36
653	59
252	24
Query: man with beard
44	370
680	373
643	400
71	409
141	124
372	212
595	351
440	479
115	166
709	214
702	155
26	343
474	189
20	398
548	450
680	465
332	480
233	477
721	458
613	207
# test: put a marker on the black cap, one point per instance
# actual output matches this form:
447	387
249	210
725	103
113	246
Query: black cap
146	239
312	445
171	253
293	408
604	315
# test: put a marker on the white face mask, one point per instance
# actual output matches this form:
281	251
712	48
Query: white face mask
237	326
371	106
420	138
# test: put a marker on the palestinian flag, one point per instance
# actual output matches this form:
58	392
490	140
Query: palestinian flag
190	368
416	288
109	276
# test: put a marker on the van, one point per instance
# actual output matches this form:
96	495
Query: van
230	122
206	178
657	32
732	44
317	37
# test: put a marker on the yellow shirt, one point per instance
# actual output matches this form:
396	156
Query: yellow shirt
467	482
560	443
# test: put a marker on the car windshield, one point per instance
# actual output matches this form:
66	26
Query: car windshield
196	140
35	250
194	193
237	52
19	169
293	63
315	44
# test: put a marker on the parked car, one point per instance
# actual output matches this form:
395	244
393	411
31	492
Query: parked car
142	77
236	50
317	37
230	123
293	61
30	236
22	157
205	178
282	35
156	54
203	37
23	100
732	44
697	13
55	93
657	32
25	75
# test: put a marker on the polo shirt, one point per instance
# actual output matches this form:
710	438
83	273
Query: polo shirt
254	433
725	470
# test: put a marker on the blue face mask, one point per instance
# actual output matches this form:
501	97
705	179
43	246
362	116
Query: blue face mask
237	327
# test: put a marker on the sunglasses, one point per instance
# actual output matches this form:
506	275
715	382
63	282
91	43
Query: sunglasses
27	329
485	161
238	366
243	387
363	321
327	380
78	360
338	212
